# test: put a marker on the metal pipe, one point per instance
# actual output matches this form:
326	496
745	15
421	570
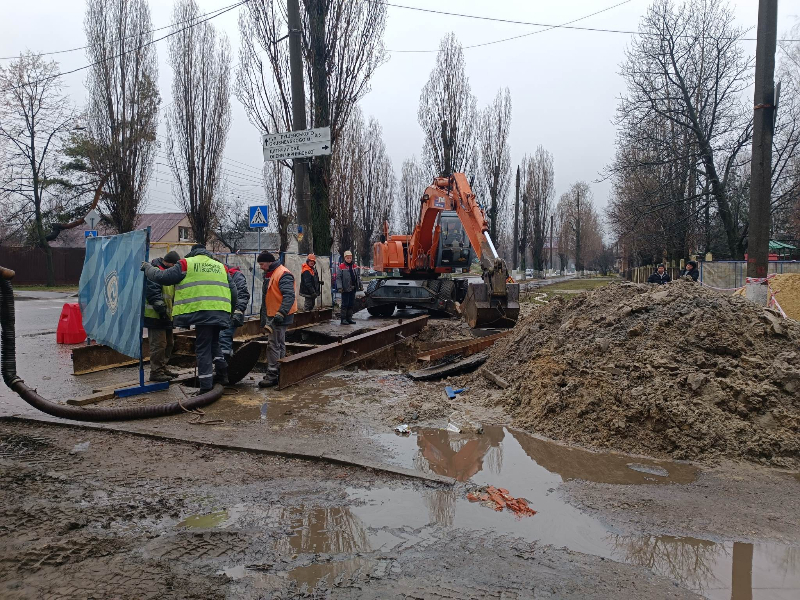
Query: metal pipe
8	363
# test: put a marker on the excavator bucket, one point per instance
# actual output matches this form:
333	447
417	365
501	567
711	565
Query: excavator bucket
481	308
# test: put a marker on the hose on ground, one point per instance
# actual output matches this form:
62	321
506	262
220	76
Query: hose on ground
8	360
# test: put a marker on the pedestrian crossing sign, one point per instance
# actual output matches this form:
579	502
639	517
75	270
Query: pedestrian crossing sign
259	216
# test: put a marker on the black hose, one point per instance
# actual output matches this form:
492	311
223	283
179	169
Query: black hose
8	359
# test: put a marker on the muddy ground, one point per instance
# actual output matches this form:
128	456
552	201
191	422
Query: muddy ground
125	511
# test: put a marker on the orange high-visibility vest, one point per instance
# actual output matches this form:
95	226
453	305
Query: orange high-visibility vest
274	297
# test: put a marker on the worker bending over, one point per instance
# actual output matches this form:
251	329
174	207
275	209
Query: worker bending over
158	320
309	283
237	318
204	297
277	310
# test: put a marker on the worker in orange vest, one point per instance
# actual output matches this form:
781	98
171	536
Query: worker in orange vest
277	312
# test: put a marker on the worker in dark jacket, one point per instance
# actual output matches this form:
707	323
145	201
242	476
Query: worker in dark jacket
237	318
310	288
660	276
348	280
205	297
158	320
691	270
277	312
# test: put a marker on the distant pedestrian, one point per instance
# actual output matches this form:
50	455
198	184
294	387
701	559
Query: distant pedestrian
691	270
277	312
237	318
348	280
158	320
660	276
310	288
205	297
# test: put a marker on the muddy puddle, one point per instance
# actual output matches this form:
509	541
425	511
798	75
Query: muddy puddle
533	468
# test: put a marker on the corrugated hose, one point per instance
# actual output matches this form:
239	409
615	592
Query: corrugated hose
8	359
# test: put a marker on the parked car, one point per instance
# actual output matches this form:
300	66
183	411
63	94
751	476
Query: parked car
528	273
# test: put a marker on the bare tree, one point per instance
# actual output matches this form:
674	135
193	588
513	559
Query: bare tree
377	182
343	46
345	187
279	185
199	117
448	113
581	233
412	186
123	103
35	117
231	223
540	191
685	74
495	156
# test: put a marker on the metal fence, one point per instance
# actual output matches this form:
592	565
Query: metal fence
720	274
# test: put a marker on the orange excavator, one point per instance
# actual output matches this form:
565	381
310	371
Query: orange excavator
418	269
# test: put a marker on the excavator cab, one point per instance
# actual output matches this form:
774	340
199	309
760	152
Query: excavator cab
454	248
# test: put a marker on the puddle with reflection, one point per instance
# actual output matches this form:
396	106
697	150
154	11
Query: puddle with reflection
532	468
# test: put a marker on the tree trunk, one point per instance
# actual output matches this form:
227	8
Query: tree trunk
516	224
319	174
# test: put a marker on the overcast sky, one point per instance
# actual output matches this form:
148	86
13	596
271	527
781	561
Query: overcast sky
564	83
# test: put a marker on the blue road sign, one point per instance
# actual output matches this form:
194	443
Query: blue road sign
259	216
90	233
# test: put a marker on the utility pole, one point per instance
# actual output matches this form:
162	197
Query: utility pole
301	191
516	225
763	127
551	242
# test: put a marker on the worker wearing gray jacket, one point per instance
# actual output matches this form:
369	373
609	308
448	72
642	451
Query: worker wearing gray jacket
237	319
277	312
205	296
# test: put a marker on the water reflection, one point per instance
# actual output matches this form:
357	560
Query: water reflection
327	530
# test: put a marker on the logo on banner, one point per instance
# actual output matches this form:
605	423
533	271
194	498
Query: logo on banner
112	291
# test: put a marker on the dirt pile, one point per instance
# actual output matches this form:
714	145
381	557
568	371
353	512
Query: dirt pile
676	370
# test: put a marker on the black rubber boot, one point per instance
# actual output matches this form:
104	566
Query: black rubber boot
221	376
160	377
350	317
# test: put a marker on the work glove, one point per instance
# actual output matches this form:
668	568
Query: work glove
268	326
237	319
144	266
160	308
278	318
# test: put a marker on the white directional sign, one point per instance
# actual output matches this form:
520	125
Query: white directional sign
297	144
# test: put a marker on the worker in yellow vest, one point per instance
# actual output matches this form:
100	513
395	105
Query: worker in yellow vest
158	320
204	297
277	312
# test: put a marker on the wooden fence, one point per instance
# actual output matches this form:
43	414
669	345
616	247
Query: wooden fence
30	265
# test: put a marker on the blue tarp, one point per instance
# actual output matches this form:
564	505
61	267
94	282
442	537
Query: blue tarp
111	289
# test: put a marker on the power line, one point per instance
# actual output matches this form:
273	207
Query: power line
163	37
124	38
547	26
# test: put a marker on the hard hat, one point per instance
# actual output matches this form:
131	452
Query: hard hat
312	257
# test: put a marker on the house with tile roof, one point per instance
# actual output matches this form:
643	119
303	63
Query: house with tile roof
171	228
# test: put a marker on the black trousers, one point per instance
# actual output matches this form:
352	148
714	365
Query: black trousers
348	298
209	354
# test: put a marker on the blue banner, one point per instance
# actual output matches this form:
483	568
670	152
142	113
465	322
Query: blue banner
111	289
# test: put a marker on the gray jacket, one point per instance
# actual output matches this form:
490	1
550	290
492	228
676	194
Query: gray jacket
154	295
348	280
286	286
242	293
175	275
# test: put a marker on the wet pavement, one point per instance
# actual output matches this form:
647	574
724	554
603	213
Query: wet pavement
322	545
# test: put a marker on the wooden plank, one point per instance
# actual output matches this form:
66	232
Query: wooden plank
467	347
107	393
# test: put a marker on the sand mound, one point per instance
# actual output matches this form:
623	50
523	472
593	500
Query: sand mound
676	370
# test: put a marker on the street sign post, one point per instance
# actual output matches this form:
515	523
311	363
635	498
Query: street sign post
297	144
93	218
90	233
259	218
